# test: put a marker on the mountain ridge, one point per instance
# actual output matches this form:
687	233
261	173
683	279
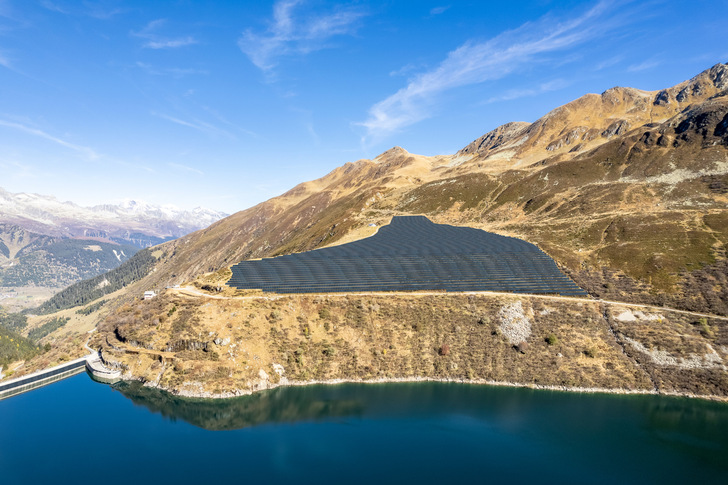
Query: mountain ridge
557	133
47	243
47	215
470	189
630	200
593	210
38	260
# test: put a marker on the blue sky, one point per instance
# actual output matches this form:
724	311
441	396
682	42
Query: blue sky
226	104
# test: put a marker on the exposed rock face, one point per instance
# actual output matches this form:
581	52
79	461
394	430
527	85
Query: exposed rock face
721	129
497	138
662	98
619	127
179	345
718	74
708	122
514	323
701	86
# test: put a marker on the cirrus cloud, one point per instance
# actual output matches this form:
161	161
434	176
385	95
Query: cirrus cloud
477	62
155	40
290	34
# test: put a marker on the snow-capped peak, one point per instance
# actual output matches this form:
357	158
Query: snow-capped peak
48	215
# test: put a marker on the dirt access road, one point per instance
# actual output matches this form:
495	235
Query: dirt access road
188	291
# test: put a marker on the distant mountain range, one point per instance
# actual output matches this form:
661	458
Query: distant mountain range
131	222
48	243
30	259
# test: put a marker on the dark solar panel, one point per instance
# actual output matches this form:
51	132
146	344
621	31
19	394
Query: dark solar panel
410	254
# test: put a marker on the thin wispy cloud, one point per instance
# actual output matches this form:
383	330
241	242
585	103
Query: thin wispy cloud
185	168
9	63
312	131
195	124
643	66
86	151
9	12
5	61
291	34
54	7
216	114
478	62
16	170
405	70
170	43
439	10
176	72
512	94
102	10
155	40
612	61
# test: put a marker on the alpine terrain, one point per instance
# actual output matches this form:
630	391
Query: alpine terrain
626	190
48	244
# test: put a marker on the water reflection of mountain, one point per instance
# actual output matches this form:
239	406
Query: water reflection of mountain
498	408
327	402
269	407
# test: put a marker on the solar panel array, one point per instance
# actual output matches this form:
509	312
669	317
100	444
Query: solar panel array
411	254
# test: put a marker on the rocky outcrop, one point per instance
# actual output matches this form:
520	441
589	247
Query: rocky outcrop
619	127
708	122
662	98
514	323
496	139
179	345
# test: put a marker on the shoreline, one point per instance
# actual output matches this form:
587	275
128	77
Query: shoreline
466	339
387	380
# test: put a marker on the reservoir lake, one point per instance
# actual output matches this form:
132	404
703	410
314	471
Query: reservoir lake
81	431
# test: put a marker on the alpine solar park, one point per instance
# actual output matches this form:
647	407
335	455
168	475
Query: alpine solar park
411	254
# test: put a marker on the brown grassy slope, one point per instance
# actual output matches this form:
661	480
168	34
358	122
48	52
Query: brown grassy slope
203	346
644	201
650	204
637	212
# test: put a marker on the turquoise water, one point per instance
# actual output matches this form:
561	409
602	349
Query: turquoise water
79	431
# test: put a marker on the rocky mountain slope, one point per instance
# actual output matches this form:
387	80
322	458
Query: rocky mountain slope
52	244
626	190
129	222
30	259
225	347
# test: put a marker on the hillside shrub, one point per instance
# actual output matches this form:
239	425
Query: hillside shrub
15	347
13	321
552	339
91	308
38	333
